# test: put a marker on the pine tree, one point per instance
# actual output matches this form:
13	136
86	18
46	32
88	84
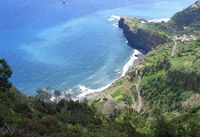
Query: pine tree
5	74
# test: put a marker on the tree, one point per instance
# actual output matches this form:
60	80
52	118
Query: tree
198	42
43	95
57	94
5	74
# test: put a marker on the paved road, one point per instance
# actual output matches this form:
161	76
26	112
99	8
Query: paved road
174	48
140	101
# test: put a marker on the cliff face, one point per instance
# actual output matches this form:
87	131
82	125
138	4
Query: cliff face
140	38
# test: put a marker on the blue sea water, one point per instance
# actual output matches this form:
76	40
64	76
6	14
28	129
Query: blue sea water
63	46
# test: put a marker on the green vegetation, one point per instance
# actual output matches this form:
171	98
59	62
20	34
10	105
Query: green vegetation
169	88
171	101
5	74
160	28
23	116
184	22
169	109
171	78
170	85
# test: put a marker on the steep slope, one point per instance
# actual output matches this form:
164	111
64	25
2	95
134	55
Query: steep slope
189	17
22	116
158	98
141	34
167	79
169	90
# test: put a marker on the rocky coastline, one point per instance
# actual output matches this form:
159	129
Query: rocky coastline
139	38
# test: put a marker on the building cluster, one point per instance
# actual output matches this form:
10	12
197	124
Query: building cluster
185	38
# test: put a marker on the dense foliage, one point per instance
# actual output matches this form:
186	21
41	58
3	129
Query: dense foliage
5	74
166	112
171	101
23	116
169	87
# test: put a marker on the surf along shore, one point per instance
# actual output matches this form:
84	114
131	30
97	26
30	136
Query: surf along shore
142	42
94	94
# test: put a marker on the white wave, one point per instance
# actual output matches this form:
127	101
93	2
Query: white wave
111	19
82	88
159	20
86	91
92	76
114	17
64	83
129	64
117	70
115	25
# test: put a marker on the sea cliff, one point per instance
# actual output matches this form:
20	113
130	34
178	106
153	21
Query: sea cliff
141	38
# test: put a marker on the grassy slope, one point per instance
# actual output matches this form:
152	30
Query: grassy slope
158	86
170	88
160	28
171	106
154	75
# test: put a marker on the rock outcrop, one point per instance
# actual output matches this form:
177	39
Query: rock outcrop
139	38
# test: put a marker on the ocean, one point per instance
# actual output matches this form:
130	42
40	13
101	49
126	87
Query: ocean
71	45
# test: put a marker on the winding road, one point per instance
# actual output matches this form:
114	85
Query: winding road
174	48
140	100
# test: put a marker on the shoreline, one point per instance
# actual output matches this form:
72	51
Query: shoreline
87	93
136	58
93	93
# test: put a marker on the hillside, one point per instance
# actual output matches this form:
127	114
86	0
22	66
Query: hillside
188	18
169	107
164	90
23	116
160	97
169	89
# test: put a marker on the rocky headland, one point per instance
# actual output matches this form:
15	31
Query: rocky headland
141	38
